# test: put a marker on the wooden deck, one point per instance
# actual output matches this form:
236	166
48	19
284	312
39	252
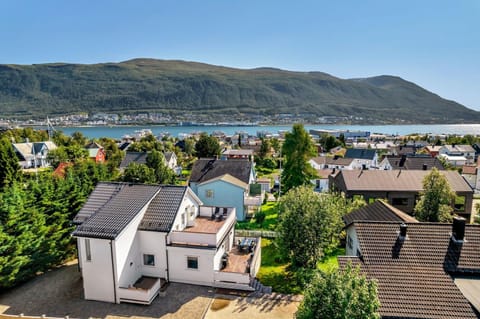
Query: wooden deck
205	225
237	261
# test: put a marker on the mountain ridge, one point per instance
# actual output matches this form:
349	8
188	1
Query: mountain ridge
176	87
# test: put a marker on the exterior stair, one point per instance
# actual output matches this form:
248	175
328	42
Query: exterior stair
259	287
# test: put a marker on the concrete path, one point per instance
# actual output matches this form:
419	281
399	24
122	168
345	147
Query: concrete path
59	293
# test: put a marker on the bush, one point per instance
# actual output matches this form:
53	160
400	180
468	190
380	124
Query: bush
260	217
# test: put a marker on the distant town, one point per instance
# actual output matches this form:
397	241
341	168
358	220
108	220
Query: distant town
102	119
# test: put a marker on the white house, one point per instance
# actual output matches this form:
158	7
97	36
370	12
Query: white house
134	238
33	155
466	151
362	158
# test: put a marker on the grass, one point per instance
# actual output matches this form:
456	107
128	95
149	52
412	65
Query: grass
270	222
276	272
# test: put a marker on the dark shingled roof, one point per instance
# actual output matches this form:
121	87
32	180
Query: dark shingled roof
360	153
205	169
415	162
117	212
413	274
112	206
162	211
135	157
378	211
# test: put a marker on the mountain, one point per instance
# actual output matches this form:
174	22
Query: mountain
177	87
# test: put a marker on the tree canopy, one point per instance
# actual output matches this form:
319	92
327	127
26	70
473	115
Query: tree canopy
436	199
340	294
297	149
207	146
9	168
310	224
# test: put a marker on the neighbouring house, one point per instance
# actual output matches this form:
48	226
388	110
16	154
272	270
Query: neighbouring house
170	160
465	151
133	157
219	182
337	162
454	160
133	238
246	154
228	191
96	152
33	155
265	183
416	162
379	211
470	173
433	150
400	187
422	270
321	181
362	158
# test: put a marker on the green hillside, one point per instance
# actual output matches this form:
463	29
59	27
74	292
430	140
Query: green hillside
177	86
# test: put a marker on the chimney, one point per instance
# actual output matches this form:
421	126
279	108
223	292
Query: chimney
424	167
458	229
403	231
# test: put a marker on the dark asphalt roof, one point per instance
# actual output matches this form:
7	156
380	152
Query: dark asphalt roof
112	206
163	209
205	169
134	157
360	153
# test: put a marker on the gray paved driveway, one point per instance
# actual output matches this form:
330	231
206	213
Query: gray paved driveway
59	293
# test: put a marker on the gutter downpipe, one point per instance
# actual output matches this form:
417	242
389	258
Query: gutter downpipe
113	273
166	257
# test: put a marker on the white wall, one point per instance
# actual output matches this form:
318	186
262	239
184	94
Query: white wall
153	243
97	274
127	257
187	202
178	271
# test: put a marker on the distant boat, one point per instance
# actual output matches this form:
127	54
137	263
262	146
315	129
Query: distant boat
138	134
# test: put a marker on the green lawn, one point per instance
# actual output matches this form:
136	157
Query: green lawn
275	272
270	222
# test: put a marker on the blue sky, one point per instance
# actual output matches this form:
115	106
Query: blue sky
435	44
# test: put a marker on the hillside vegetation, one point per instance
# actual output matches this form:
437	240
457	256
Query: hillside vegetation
177	87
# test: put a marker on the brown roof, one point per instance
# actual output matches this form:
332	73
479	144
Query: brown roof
378	211
398	180
413	274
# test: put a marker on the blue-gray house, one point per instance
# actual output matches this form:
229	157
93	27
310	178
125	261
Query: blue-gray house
225	183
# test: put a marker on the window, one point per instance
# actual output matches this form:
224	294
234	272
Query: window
209	193
350	242
400	201
148	260
192	262
184	219
88	252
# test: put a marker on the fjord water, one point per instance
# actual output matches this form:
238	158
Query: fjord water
118	131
